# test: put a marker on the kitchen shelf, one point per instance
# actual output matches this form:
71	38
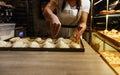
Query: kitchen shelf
109	15
97	17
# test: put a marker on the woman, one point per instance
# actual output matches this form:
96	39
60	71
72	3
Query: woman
70	14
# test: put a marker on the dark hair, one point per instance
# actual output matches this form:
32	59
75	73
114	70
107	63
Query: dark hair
78	3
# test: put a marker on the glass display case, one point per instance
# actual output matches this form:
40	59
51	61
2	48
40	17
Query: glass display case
105	27
105	21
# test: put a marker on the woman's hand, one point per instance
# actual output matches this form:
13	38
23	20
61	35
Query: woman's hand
55	26
81	29
82	24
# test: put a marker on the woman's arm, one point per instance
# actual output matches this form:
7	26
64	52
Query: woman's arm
48	10
55	24
82	24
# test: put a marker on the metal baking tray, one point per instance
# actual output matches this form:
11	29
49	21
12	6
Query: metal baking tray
82	49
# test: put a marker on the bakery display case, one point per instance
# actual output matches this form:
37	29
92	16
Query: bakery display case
105	26
105	21
108	48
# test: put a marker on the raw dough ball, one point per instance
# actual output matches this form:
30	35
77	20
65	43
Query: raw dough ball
61	44
3	43
67	41
60	39
48	44
20	43
14	39
9	44
74	45
49	40
34	44
39	40
25	40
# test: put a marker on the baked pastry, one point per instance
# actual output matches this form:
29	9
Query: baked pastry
118	34
105	12
105	31
117	11
111	57
114	31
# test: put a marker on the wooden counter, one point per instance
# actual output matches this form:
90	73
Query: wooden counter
53	63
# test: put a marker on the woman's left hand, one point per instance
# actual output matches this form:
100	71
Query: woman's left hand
81	29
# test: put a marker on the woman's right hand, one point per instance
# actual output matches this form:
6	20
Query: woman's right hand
55	26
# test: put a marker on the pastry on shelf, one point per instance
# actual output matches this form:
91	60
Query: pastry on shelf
112	33
105	31
105	12
117	11
112	57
